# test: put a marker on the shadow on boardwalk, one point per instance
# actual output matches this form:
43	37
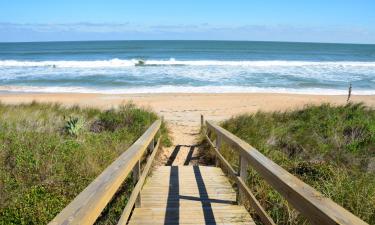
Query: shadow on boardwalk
190	159
172	214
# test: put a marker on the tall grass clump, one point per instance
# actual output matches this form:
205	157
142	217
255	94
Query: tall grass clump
50	153
331	148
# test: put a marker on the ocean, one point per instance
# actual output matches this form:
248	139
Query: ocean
187	66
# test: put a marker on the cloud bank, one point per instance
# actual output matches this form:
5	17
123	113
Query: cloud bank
15	32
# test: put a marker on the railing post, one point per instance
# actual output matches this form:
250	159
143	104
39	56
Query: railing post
151	146
218	146
136	176
202	121
243	166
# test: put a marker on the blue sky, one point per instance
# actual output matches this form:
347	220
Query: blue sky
348	21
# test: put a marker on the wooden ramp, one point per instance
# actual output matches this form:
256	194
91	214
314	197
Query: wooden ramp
189	195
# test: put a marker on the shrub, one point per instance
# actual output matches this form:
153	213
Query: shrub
73	126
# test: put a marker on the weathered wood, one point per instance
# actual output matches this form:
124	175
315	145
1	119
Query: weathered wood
243	166
189	195
137	189
151	146
218	147
191	215
312	204
136	176
88	205
202	121
266	219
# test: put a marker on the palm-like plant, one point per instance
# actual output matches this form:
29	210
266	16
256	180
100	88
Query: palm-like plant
73	126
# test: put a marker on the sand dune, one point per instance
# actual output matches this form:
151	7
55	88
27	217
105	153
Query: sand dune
182	111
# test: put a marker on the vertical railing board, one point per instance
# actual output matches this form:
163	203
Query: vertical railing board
243	166
136	176
218	147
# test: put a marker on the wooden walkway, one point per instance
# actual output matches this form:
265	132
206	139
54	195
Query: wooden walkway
189	195
196	194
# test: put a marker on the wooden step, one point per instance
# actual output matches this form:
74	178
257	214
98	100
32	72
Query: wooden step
189	195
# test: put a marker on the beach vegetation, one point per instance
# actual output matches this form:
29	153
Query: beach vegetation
331	148
73	126
46	160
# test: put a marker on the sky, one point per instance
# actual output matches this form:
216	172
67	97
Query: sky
338	21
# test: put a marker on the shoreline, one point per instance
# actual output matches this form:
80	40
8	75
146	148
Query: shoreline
183	90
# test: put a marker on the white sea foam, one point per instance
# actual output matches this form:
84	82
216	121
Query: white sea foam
118	63
182	89
118	76
69	64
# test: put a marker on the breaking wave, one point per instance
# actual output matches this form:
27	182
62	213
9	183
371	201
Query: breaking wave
118	63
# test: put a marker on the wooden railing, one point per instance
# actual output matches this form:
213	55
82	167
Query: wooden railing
88	205
309	202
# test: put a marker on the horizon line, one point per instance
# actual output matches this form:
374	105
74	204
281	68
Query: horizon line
216	40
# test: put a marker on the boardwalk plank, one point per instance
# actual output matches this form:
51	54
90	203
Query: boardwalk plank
189	195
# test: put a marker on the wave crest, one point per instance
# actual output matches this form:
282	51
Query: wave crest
118	63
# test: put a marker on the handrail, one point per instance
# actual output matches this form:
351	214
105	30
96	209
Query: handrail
265	218
88	205
312	204
135	197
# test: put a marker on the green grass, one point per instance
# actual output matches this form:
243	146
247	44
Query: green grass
329	147
50	153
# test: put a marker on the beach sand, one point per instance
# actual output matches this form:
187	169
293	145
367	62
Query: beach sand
182	111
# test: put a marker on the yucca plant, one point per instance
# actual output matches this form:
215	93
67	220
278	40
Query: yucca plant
73	126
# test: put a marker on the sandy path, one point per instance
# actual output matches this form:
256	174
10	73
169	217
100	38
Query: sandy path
182	111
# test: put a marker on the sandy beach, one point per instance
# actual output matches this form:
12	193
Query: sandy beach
182	111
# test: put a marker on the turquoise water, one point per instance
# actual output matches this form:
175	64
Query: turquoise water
186	66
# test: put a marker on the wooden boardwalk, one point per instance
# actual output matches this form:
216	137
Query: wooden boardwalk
196	194
189	195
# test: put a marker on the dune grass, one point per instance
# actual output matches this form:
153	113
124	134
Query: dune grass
332	148
50	153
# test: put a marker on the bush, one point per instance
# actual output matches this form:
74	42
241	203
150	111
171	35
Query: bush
73	126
